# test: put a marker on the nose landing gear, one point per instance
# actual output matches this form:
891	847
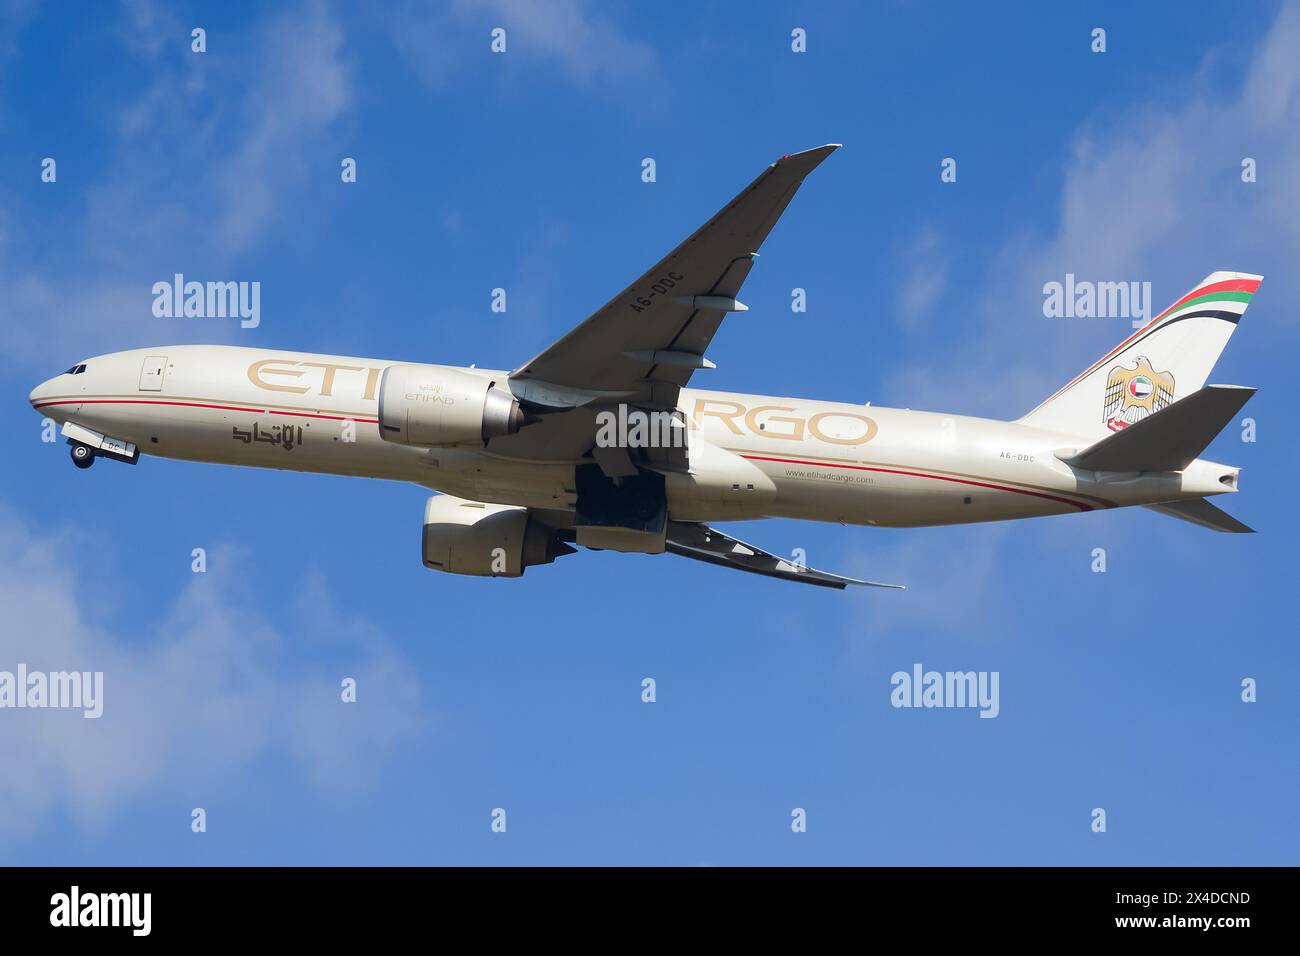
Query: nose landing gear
87	445
83	456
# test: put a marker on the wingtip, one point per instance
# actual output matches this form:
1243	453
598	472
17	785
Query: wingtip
819	152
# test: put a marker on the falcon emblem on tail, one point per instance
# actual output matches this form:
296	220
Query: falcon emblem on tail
1134	393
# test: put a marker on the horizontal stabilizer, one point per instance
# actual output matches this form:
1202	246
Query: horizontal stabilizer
1170	439
1201	512
703	543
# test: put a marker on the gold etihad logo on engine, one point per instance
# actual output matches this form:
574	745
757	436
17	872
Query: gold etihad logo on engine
299	378
766	421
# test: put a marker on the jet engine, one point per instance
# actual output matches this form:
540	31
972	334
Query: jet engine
471	537
436	406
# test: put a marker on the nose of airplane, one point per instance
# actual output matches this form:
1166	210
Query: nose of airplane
41	393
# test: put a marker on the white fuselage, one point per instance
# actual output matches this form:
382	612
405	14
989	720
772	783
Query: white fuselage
751	456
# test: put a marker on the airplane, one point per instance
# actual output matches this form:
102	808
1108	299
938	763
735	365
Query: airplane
599	442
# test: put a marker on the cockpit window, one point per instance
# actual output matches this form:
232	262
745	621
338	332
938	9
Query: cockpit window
75	370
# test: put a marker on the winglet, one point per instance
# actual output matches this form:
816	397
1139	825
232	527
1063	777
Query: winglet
809	159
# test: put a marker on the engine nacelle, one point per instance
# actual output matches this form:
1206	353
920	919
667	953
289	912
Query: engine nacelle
471	537
436	406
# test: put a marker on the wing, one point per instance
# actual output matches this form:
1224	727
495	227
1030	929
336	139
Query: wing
703	543
643	345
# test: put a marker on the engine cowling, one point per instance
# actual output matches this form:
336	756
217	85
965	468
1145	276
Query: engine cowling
436	406
471	537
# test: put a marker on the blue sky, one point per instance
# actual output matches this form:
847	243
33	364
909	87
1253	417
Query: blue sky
1118	690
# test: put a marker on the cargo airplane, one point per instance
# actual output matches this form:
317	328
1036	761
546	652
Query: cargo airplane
598	441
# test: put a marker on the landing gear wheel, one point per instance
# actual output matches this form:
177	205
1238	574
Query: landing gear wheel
83	456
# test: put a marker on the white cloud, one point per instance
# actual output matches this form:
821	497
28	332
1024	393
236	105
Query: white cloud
1155	195
927	277
206	160
149	26
304	89
949	573
440	44
15	15
192	698
53	322
586	45
191	182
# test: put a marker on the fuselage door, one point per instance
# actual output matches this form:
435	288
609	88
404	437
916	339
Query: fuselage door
151	375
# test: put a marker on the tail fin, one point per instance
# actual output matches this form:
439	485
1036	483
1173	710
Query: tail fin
1169	357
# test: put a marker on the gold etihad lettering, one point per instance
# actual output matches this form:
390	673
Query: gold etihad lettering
735	414
259	371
